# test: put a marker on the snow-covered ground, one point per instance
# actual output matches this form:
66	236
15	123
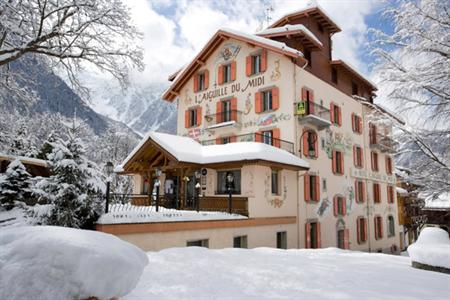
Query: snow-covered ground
123	214
264	273
46	262
431	248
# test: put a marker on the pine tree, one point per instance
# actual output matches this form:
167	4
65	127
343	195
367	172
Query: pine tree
47	146
74	187
15	185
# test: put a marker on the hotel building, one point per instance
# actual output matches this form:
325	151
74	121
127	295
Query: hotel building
292	125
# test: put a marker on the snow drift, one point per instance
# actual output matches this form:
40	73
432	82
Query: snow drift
44	262
431	248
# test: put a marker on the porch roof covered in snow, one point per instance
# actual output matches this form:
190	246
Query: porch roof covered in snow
34	166
166	151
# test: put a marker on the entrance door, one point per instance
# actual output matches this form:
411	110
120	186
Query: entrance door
313	235
341	238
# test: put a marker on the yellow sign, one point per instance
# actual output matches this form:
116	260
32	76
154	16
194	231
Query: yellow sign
300	108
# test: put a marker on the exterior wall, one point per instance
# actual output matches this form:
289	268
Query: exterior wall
261	236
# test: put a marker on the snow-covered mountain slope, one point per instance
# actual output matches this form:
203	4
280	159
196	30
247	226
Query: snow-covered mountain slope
140	106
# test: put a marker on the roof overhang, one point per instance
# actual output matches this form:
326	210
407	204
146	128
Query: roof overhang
339	64
305	39
181	77
315	12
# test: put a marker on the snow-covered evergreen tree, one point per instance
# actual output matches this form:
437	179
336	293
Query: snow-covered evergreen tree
414	71
75	186
47	146
15	185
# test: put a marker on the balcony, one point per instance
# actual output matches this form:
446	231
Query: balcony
382	142
224	119
257	137
313	114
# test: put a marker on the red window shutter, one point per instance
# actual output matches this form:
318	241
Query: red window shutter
355	160
332	113
306	188
361	155
304	98
375	223
195	83
248	65
218	112
340	116
335	206
342	163
276	137
311	101
372	160
233	139
333	162
199	116
258	102
263	60
234	109
233	71
344	206
307	235
305	143
388	165
275	98
206	79
218	141
358	230
346	239
363	191
360	125
316	145
319	238
353	123
381	227
187	119
258	137
317	188
356	191
365	229
220	75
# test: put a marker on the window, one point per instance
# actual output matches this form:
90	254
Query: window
256	64
354	88
275	182
357	156
361	228
201	81
334	75
390	194
391	226
222	182
312	233
356	124
308	56
227	73
240	241
226	111
310	144
282	240
192	117
378	227
343	239
389	165
226	140
373	134
376	193
360	193
339	205
338	162
145	186
335	114
198	243
311	187
267	100
267	137
374	161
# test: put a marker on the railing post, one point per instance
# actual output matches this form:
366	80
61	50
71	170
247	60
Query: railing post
230	201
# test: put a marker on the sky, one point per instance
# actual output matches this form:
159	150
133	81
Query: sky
174	31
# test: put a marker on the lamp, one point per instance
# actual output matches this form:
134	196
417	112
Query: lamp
197	175
156	186
109	168
230	187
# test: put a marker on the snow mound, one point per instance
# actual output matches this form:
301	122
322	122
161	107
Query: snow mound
431	248
46	262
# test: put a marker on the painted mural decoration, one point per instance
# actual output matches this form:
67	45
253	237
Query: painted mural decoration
337	141
323	207
187	97
250	187
267	120
248	104
349	196
276	74
229	51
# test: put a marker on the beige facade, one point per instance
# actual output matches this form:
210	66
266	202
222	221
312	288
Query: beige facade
288	78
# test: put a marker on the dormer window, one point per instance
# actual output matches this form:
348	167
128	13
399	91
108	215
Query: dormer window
354	88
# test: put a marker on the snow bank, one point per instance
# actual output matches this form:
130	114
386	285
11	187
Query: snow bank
431	248
265	273
44	262
126	214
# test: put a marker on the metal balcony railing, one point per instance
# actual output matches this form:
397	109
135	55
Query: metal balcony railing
256	137
312	113
225	118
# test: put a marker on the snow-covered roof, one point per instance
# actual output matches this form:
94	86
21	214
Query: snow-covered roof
180	79
401	191
24	159
291	28
185	149
441	201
